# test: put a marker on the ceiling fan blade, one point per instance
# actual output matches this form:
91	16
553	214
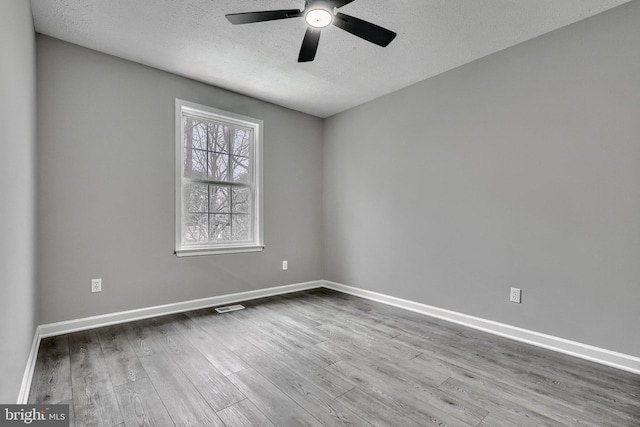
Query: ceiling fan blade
267	15
363	29
309	45
340	3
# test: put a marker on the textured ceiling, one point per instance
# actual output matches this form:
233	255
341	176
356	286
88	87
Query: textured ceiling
192	38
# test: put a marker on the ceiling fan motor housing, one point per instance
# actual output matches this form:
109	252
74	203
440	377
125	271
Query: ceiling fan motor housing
319	4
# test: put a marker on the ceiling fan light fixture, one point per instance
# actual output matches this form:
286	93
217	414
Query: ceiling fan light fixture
318	18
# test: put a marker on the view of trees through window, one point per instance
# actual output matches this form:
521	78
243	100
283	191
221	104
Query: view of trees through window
216	182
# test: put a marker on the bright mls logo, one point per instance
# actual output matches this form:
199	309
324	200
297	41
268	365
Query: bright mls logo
34	415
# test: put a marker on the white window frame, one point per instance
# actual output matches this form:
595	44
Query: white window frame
209	113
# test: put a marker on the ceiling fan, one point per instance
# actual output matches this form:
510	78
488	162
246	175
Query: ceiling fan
319	14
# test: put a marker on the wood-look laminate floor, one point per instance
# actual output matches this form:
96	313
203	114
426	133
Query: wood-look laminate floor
322	358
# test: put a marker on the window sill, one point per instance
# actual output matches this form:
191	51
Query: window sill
183	252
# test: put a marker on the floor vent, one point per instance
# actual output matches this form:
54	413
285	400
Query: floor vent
229	308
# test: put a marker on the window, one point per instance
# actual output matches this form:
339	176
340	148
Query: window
218	193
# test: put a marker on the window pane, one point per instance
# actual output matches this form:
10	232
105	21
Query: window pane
241	143
195	133
219	141
219	199
240	169
195	163
219	166
219	227
196	198
240	200
200	135
240	227
196	228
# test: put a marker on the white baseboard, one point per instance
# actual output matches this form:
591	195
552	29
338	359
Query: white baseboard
23	396
75	325
573	348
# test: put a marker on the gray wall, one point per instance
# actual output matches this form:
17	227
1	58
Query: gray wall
106	189
17	193
520	169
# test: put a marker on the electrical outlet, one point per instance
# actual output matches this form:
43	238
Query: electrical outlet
285	265
515	295
96	285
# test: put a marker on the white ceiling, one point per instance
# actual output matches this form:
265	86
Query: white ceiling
192	38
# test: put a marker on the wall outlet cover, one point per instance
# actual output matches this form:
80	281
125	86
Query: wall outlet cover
515	295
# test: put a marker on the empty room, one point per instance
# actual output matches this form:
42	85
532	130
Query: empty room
320	212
